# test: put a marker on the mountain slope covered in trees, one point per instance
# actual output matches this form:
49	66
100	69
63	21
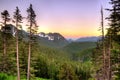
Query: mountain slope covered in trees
46	62
26	55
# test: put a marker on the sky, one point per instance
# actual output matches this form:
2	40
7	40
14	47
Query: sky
71	18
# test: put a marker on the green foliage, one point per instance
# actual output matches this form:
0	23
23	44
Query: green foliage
84	55
114	30
6	77
3	76
66	72
75	47
85	70
112	45
80	51
47	63
50	61
7	62
41	67
23	51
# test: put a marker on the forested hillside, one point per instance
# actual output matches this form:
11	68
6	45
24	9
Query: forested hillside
46	62
25	55
80	50
29	55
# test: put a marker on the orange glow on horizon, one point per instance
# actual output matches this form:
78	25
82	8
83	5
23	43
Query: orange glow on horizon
70	33
72	28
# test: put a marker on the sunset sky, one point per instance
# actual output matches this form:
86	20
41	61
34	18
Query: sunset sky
71	18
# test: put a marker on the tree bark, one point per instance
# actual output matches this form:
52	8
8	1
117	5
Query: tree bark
4	53
103	44
29	56
4	46
17	52
109	59
29	53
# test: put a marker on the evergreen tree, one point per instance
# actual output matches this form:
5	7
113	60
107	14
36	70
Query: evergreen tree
6	18
32	29
114	20
18	19
66	72
113	34
104	48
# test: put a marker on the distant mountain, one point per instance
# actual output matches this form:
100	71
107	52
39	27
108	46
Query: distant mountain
88	39
46	39
9	28
52	39
70	40
52	36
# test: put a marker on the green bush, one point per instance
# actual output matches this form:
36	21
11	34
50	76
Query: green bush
3	76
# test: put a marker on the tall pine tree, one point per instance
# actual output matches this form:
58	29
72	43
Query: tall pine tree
114	20
18	18
113	36
32	29
6	18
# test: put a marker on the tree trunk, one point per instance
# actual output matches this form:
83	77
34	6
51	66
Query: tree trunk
103	44
5	38
29	55
109	68
109	59
17	54
4	47
4	53
4	42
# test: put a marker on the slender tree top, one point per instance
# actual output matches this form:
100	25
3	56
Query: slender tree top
17	15
31	14
5	15
114	17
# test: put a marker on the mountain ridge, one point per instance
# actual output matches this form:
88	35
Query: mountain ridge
46	39
88	39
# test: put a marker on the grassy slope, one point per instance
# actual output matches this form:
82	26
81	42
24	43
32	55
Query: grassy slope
4	76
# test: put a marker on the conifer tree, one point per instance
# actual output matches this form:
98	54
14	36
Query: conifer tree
32	29
6	18
113	33
114	20
18	18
